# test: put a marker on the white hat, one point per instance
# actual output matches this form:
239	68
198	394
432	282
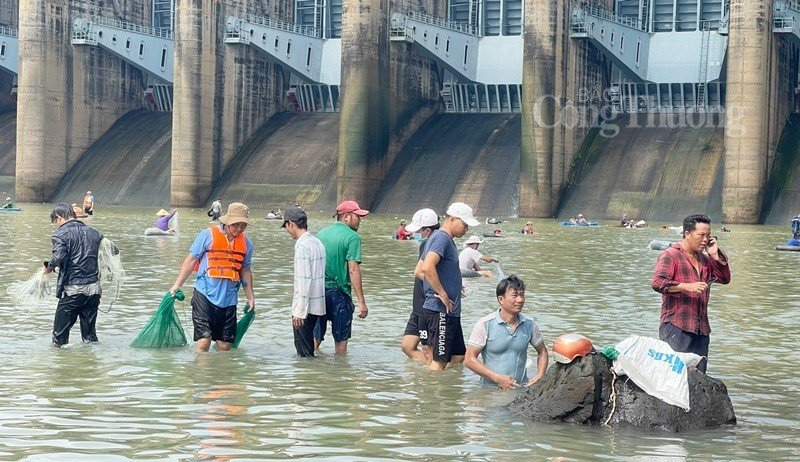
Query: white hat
421	219
88	192
473	240
462	211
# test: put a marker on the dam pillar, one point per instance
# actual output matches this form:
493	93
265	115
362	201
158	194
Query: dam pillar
222	95
747	111
32	179
193	162
66	99
364	130
536	196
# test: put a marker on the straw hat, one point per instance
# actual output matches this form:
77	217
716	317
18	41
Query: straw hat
162	213
237	213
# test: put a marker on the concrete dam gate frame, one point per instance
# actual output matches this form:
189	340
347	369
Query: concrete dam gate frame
228	103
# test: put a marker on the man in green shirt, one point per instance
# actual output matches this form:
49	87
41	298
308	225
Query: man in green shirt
342	275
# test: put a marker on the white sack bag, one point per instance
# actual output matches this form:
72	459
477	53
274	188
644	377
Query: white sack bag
656	368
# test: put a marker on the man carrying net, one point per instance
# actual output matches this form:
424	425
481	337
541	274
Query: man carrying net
221	256
75	251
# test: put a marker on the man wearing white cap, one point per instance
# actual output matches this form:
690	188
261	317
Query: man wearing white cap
9	204
424	222
221	257
88	203
438	269
469	257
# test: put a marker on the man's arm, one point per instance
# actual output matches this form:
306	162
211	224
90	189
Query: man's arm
355	280
302	284
186	269
471	361
489	259
542	359
247	276
427	269
58	256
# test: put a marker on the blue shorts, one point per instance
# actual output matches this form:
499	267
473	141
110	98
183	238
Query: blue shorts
339	311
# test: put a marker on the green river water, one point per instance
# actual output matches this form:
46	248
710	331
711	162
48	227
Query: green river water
110	402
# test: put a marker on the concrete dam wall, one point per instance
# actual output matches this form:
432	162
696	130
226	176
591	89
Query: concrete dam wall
292	158
472	158
128	165
782	195
8	144
658	174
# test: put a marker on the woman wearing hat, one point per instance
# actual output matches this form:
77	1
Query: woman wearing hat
163	220
469	257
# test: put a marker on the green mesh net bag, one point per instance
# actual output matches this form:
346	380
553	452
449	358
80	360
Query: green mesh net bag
164	329
243	325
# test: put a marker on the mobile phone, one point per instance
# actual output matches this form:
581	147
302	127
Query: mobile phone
46	264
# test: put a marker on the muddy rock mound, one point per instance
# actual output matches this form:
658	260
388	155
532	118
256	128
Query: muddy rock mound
581	392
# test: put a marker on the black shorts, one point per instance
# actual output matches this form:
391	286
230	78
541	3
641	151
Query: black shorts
211	321
445	336
415	326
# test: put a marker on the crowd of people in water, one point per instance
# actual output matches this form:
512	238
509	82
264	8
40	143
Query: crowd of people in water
328	286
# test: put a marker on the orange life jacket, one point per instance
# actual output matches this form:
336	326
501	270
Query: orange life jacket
225	258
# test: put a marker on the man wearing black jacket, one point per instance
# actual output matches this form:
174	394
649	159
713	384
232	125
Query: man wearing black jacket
75	250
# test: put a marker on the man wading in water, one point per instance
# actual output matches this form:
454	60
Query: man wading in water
683	275
438	269
221	256
424	222
342	275
75	250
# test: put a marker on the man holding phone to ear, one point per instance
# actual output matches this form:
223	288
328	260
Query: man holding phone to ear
683	276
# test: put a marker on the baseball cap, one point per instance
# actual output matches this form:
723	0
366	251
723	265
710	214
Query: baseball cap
421	219
293	214
462	211
351	207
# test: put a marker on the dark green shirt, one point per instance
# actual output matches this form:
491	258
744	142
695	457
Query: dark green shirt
342	244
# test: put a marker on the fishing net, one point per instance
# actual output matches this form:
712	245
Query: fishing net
41	288
164	329
37	289
112	274
498	273
243	325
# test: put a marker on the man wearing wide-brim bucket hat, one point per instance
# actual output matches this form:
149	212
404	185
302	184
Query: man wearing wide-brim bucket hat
221	256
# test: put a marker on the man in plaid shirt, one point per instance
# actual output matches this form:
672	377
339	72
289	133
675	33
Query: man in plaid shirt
683	276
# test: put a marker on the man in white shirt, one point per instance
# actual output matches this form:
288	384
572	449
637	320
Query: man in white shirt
308	303
469	257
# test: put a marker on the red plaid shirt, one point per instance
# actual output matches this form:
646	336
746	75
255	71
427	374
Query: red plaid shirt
689	312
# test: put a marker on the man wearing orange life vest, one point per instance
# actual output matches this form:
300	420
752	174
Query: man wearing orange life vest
221	256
